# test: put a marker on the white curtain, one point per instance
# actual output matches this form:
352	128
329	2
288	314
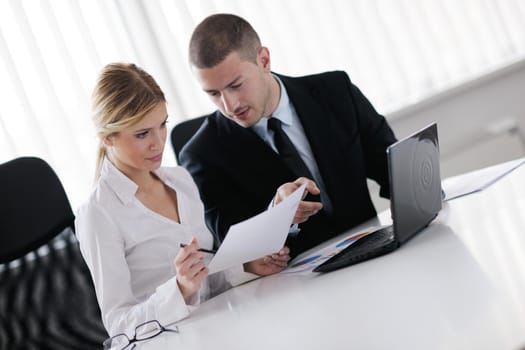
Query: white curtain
397	51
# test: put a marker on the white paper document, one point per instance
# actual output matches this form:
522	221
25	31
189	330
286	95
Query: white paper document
304	264
477	180
258	236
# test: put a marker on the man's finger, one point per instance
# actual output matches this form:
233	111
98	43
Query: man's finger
305	206
311	186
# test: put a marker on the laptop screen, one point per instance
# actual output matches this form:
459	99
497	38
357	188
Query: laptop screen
415	182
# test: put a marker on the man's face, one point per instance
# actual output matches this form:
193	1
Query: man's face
241	89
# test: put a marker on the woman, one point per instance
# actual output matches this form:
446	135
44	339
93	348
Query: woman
131	227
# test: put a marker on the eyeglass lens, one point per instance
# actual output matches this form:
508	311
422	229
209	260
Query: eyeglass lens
143	331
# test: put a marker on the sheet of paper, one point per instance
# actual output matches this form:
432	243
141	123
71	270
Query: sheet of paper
477	180
305	264
258	236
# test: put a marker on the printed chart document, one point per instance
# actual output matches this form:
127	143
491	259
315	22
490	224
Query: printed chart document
477	180
261	235
306	263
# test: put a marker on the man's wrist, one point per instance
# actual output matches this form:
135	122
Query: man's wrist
294	230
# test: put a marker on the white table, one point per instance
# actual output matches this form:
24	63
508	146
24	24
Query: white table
459	284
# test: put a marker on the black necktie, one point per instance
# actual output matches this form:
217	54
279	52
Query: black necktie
289	154
287	150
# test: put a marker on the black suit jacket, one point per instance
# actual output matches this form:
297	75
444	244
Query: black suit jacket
238	173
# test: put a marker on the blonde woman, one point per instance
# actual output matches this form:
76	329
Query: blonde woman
131	227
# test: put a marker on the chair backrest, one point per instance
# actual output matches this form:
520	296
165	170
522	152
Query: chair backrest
34	207
182	133
42	291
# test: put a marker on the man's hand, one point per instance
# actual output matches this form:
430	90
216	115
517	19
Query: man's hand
305	208
269	264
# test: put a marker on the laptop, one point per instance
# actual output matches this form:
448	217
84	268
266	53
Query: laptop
415	199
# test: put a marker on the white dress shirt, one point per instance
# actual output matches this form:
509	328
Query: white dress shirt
293	128
130	249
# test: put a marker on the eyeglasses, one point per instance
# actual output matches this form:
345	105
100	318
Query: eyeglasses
143	331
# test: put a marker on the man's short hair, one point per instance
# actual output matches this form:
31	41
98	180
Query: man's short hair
219	35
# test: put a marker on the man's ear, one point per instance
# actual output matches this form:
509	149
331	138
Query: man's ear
263	56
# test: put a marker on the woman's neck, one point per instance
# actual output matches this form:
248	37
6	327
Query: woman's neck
144	179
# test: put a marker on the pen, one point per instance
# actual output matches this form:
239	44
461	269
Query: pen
210	251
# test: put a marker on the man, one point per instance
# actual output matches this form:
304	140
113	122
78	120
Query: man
237	158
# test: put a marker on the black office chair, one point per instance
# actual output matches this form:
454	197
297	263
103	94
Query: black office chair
47	298
33	205
182	133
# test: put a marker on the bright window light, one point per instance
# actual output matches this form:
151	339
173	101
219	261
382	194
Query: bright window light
398	52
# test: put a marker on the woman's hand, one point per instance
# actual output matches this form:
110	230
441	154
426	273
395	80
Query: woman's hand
305	208
190	268
269	264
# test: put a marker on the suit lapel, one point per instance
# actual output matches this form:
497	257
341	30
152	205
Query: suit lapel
318	125
246	154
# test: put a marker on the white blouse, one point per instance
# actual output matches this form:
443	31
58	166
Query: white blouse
130	249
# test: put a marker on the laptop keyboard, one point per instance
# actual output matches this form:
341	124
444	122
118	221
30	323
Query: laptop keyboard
372	245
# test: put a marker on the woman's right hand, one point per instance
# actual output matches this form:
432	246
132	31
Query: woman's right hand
190	268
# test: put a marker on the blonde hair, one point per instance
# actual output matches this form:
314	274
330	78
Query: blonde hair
123	95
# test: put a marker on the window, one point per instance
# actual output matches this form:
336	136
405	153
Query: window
397	51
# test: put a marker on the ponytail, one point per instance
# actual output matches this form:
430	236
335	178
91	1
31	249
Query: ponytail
101	153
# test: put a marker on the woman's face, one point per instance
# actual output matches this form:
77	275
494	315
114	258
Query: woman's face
139	148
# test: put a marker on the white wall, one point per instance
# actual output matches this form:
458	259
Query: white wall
480	123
